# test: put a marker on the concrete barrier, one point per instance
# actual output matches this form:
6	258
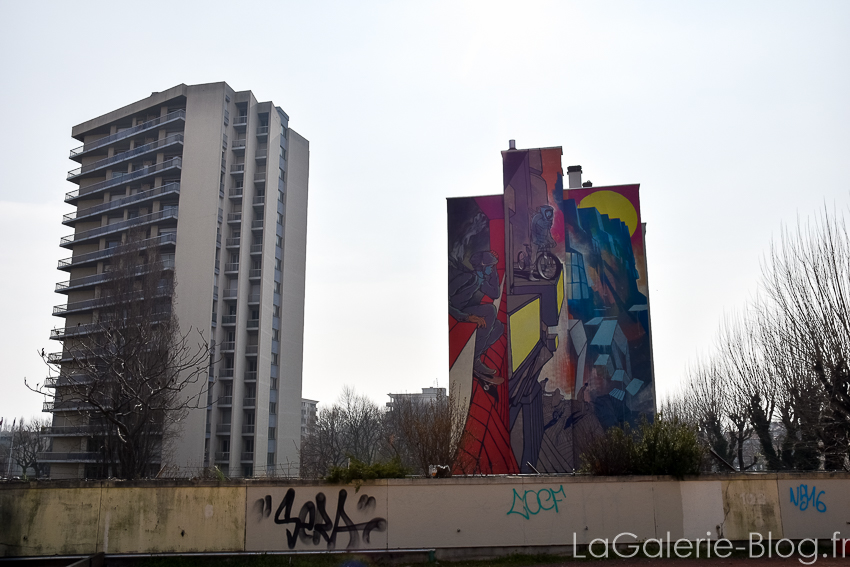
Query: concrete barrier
475	513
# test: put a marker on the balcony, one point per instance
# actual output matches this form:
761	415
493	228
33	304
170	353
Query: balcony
225	401
232	242
253	324
260	177
235	193
95	279
240	121
77	153
257	224
67	380
98	255
247	456
253	298
228	320
227	346
238	146
231	268
222	457
251	350
231	294
222	428
234	218
249	402
89	304
72	430
248	429
156	146
225	374
260	155
71	197
250	376
256	249
262	131
259	200
97	210
160	216
69	457
71	406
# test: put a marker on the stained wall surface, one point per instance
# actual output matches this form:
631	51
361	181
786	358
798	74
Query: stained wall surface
456	513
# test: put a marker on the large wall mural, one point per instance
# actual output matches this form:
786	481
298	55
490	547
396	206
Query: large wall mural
549	339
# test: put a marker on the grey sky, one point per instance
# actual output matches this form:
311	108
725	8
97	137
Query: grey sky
733	116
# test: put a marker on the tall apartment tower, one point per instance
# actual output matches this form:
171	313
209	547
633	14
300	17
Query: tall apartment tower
217	182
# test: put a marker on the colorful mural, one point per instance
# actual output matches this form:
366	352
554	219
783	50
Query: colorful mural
549	335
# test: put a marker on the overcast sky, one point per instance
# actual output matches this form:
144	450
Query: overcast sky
733	117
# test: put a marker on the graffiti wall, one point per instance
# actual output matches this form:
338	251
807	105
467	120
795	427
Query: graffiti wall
548	317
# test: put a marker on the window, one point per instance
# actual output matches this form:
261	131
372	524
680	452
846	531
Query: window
276	311
275	335
271	432
275	358
279	242
277	264
280	219
272	408
277	288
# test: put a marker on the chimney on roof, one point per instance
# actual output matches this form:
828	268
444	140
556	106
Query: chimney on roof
574	174
511	144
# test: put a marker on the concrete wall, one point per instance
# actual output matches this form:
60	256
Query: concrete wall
457	513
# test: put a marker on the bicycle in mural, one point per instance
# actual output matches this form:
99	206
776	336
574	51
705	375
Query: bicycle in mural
545	265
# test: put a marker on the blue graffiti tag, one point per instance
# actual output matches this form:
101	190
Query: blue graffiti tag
543	499
803	498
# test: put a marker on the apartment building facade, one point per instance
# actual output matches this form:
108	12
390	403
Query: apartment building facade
216	182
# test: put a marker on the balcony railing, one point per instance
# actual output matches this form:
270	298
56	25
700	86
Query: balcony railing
238	144
260	177
251	350
237	168
259	200
231	293
228	319
67	380
94	279
257	224
123	134
256	249
233	242
79	214
68	457
225	401
254	298
250	375
255	273
98	255
226	373
124	156
241	120
222	457
222	428
234	217
260	155
72	430
71	239
247	456
116	180
248	429
262	131
231	267
228	346
253	324
249	402
87	304
235	192
72	405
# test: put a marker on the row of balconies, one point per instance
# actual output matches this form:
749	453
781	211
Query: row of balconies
94	303
91	234
98	255
166	263
232	294
246	457
175	163
230	346
227	401
227	374
157	146
97	210
78	153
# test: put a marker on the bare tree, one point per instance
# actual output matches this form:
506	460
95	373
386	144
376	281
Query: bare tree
131	376
27	442
425	432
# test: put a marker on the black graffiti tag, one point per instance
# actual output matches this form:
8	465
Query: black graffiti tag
313	524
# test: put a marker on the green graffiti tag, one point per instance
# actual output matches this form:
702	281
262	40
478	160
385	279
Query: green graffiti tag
532	502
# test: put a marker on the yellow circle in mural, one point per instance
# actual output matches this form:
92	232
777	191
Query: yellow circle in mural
614	205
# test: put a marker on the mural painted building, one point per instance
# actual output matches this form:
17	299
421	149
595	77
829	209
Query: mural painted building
549	332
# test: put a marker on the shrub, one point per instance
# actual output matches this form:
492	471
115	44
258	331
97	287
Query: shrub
360	471
661	447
